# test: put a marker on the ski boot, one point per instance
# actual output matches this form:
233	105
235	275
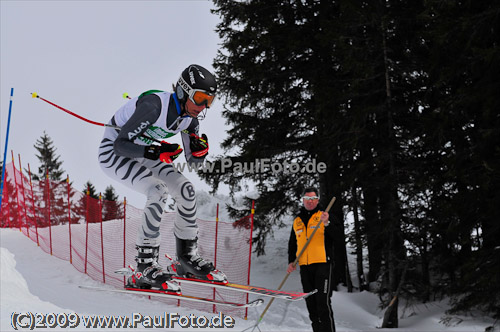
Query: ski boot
191	265
149	274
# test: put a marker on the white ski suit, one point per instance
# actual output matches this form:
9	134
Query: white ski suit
121	156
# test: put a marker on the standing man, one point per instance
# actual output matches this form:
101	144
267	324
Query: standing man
133	156
316	263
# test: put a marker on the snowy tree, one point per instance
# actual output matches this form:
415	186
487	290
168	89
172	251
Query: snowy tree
111	208
49	161
399	100
9	216
88	205
89	189
52	189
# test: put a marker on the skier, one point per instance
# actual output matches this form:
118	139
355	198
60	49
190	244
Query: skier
130	157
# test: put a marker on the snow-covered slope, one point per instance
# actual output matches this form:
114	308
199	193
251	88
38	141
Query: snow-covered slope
34	281
15	291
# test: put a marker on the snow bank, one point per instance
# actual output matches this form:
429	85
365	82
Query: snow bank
32	280
15	293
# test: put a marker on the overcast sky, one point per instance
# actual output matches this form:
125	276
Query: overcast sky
83	55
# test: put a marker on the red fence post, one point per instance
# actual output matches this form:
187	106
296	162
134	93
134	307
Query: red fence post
33	205
124	237
102	238
17	192
87	200
6	196
69	221
48	208
24	197
216	236
252	212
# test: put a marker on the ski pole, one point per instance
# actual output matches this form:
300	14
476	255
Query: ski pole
35	95
294	263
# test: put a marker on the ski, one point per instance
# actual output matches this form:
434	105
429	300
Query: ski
291	296
159	293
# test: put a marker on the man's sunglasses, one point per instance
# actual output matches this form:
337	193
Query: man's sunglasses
310	198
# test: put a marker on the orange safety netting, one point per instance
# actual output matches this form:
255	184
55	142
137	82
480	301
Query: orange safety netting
98	237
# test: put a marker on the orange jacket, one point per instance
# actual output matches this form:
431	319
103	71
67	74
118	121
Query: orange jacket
315	251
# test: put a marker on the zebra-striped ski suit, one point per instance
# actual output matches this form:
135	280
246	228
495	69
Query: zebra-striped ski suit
121	156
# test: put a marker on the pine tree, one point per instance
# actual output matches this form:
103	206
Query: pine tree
277	74
398	98
49	162
52	188
465	179
89	189
10	213
88	205
112	209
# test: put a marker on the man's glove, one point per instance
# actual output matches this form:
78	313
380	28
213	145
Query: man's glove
166	152
198	145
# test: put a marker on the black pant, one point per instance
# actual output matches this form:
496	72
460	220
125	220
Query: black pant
319	276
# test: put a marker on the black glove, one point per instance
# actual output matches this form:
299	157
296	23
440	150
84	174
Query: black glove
198	145
166	152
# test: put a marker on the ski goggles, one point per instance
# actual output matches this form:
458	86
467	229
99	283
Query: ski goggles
197	96
310	198
200	98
